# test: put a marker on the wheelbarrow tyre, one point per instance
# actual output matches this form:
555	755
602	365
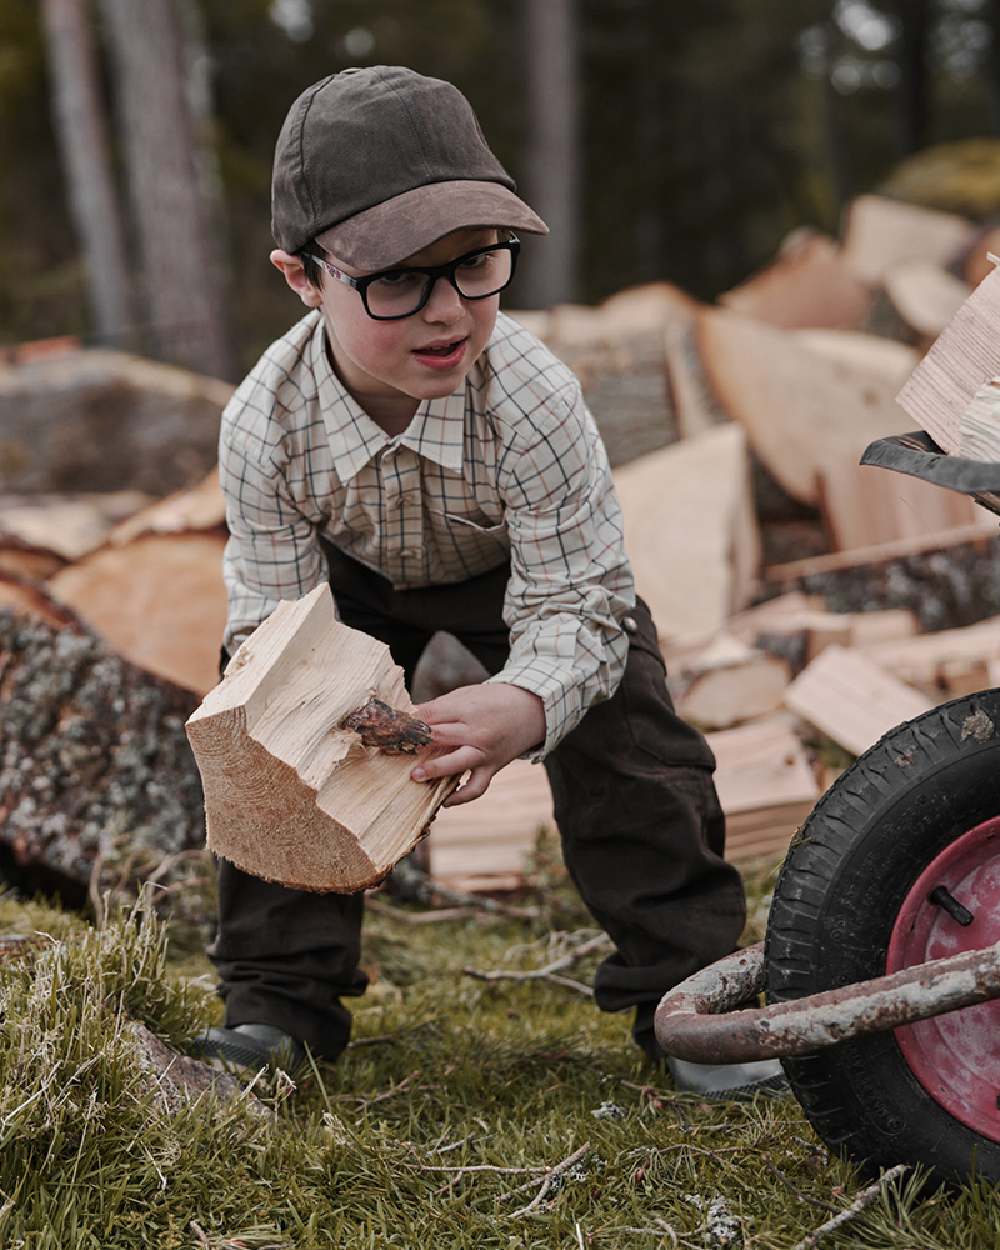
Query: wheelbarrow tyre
841	887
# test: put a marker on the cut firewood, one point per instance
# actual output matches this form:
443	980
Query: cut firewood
159	601
488	844
766	786
926	296
291	794
882	233
802	412
966	356
946	663
809	284
618	351
863	353
69	525
106	419
29	596
861	505
974	534
728	689
698	492
203	507
24	559
979	424
94	757
977	262
851	699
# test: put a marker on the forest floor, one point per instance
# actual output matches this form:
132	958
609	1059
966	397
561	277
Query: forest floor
436	1128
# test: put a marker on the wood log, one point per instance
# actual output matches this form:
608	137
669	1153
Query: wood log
724	695
203	507
885	359
851	699
926	296
690	532
23	559
69	525
808	284
105	420
946	663
159	601
965	356
291	793
95	763
881	233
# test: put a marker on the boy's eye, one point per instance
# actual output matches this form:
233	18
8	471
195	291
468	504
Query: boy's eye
398	277
480	261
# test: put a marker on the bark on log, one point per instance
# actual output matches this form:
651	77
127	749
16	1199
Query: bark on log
94	754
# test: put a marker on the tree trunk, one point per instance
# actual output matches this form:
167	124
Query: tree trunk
184	297
552	164
78	115
914	42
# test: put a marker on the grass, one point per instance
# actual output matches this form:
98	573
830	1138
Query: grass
444	1073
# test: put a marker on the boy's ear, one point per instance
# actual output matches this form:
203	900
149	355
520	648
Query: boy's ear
294	274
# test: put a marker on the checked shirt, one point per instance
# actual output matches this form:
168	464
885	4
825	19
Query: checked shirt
508	467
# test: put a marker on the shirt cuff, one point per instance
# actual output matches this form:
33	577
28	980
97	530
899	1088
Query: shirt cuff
558	692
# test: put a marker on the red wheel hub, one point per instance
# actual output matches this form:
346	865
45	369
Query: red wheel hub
954	906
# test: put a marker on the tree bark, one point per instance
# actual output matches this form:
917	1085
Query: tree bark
95	762
180	264
78	114
552	171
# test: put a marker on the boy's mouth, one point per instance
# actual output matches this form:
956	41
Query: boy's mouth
442	355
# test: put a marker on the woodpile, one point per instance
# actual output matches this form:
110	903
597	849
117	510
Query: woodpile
804	604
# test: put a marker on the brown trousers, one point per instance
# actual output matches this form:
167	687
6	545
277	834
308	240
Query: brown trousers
639	820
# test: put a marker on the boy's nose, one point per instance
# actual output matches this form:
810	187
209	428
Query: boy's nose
445	303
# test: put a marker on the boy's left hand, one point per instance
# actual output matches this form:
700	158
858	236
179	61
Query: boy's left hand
482	728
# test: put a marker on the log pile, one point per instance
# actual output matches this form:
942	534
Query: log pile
786	581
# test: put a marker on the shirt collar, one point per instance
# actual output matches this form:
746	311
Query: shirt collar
436	432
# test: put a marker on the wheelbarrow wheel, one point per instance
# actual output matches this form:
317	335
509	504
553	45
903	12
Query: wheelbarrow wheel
900	863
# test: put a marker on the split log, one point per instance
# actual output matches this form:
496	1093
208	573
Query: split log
882	233
201	508
882	358
618	351
68	525
851	699
809	284
947	663
926	296
729	683
965	356
159	601
809	419
766	786
977	264
94	754
23	559
105	418
291	793
690	532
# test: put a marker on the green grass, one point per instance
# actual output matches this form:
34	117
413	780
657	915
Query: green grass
444	1072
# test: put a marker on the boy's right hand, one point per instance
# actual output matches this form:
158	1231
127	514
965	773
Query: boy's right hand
480	728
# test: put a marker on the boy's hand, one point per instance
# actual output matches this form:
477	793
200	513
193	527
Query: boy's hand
481	728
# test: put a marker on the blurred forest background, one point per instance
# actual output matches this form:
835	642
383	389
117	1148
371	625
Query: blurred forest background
660	140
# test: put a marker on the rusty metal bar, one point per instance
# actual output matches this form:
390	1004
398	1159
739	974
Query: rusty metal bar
690	1023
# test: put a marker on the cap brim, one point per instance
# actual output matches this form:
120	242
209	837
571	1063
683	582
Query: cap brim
397	228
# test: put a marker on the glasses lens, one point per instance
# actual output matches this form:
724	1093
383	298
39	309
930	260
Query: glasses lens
396	294
484	273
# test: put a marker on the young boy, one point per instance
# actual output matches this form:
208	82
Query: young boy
438	466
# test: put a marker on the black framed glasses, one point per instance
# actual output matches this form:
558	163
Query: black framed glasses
392	294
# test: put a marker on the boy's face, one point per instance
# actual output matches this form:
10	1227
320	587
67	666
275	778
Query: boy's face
389	359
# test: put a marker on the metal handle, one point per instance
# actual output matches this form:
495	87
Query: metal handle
690	1024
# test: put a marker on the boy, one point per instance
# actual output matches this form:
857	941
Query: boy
438	465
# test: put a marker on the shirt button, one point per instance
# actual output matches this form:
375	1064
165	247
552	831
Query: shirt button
629	625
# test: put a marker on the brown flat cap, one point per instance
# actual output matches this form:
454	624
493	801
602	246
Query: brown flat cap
378	163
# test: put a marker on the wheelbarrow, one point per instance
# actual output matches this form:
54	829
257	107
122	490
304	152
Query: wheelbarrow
881	963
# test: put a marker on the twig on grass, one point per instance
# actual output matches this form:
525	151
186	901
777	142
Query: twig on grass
435	916
549	971
551	1176
864	1199
417	885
